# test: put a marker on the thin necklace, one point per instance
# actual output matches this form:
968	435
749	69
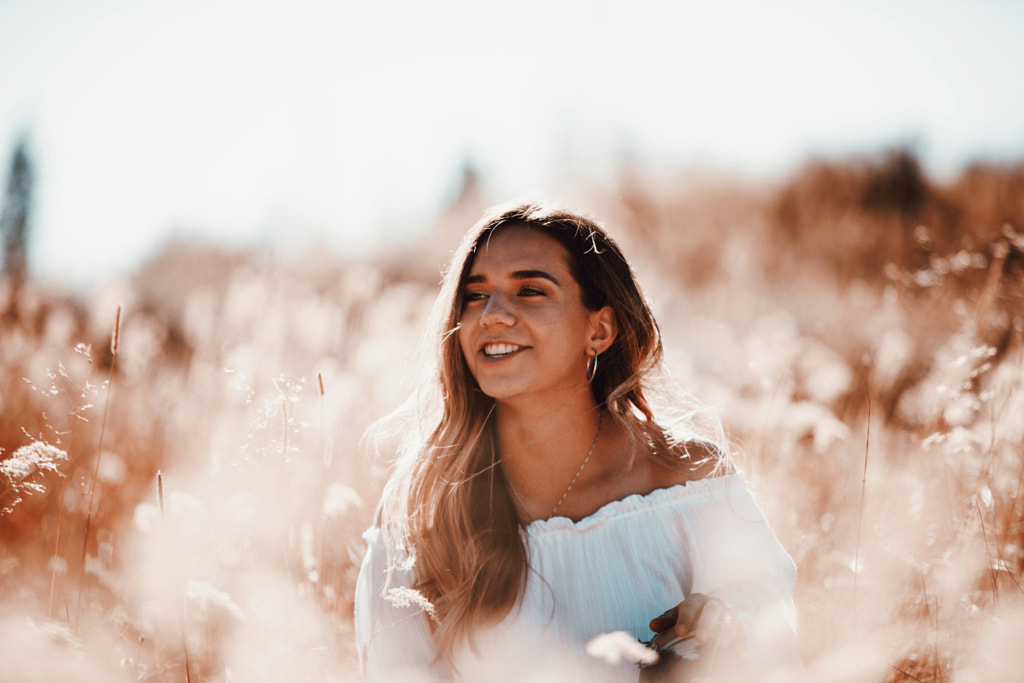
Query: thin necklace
600	421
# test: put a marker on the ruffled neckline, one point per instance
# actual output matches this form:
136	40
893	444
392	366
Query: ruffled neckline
637	502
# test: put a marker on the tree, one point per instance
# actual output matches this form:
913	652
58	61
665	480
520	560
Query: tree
15	219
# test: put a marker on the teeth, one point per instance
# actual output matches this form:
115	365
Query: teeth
500	349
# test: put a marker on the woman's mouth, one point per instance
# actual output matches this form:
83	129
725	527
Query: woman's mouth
501	349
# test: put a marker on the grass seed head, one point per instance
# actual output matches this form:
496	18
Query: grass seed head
160	491
115	336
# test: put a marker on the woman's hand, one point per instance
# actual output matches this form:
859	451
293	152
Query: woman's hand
704	619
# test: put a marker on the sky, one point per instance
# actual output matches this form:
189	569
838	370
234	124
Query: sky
283	123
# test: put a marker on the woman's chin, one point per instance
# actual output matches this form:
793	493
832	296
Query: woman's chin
499	392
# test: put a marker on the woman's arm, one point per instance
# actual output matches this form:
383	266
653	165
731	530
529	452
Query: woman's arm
742	590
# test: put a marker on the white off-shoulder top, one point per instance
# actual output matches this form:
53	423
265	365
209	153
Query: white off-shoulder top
613	571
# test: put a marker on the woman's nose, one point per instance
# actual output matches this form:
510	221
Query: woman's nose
497	311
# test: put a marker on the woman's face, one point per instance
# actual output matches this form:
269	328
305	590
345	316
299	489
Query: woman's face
524	330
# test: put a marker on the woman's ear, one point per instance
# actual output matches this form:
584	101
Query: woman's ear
604	329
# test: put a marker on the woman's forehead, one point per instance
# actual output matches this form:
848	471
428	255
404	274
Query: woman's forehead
513	246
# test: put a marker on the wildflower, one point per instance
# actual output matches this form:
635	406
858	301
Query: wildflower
407	597
957	441
962	410
619	646
18	472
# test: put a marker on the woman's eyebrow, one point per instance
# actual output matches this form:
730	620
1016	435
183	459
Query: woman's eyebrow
516	275
534	274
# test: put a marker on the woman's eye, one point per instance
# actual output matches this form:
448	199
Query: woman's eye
530	291
474	296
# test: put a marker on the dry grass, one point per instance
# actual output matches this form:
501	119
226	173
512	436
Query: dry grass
859	328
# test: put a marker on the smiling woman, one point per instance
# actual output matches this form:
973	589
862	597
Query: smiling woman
523	321
544	503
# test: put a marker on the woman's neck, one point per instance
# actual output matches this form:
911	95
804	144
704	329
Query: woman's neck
550	433
543	450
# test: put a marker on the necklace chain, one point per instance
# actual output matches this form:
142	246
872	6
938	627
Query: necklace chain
600	421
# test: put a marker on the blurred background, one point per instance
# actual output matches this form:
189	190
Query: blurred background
352	124
223	224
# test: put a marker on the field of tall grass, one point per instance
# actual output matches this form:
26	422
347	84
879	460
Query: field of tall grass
183	488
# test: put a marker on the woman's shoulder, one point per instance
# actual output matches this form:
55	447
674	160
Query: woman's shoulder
693	502
688	462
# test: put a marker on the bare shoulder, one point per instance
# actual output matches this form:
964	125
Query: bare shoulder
692	461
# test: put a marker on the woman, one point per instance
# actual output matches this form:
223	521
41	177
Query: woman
539	503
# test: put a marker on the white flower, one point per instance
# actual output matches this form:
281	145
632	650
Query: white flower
619	646
406	597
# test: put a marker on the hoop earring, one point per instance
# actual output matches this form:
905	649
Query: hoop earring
591	367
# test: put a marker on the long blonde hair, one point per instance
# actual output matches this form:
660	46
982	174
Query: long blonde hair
447	503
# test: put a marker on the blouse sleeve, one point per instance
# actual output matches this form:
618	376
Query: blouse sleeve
739	560
392	634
